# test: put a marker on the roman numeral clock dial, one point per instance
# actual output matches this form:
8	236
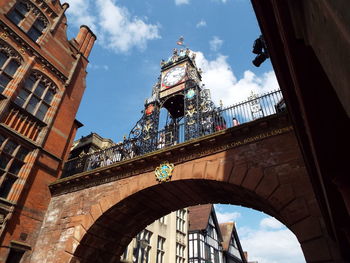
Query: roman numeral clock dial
174	76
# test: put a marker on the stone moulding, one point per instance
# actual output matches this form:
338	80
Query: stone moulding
8	32
207	145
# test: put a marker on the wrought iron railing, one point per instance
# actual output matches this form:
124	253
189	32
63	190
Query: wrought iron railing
209	122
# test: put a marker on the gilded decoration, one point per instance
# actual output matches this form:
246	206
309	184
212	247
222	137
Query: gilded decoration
164	172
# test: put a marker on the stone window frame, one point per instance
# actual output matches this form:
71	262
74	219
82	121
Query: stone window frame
180	253
144	235
181	220
40	24
32	99
5	70
160	249
12	160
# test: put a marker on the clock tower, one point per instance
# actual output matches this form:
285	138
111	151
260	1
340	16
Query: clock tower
189	107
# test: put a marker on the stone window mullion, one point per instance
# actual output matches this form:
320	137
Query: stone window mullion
31	95
22	176
12	168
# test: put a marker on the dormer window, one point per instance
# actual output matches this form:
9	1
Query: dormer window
9	63
36	95
18	13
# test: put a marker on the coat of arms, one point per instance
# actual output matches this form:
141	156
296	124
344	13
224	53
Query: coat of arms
164	172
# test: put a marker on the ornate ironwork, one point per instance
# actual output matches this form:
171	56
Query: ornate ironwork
206	122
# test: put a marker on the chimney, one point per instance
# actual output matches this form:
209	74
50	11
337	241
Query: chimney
86	40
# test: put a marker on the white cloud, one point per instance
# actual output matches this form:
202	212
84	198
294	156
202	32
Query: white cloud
270	222
223	1
224	217
79	10
201	23
269	245
115	27
215	43
219	77
97	67
182	2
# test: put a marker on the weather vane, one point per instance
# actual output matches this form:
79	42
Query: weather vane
180	42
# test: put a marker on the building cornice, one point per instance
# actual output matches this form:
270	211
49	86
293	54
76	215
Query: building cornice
207	145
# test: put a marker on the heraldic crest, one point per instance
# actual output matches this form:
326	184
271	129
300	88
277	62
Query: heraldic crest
164	172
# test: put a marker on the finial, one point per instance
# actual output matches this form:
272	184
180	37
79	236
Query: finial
175	56
180	42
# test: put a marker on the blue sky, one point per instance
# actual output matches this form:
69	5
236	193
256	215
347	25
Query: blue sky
132	38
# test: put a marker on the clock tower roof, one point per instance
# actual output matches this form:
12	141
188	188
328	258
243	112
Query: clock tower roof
178	57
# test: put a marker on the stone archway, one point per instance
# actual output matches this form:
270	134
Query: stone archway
96	222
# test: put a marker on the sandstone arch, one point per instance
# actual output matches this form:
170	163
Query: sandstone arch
95	223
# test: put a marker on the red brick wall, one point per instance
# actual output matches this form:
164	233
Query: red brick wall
64	63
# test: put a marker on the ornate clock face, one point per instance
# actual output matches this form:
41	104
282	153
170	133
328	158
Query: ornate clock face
174	75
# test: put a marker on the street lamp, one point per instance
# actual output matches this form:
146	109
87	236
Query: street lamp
260	49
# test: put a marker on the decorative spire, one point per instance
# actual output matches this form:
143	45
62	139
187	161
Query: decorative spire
180	42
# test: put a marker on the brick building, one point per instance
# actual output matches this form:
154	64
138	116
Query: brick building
42	80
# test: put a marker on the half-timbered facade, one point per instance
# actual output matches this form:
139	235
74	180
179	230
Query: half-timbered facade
204	236
232	249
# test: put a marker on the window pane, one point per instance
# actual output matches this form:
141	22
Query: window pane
32	104
6	186
39	90
21	97
3	58
29	84
15	17
4	160
34	33
15	167
49	96
10	147
22	153
40	25
4	80
22	8
11	68
2	139
42	111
